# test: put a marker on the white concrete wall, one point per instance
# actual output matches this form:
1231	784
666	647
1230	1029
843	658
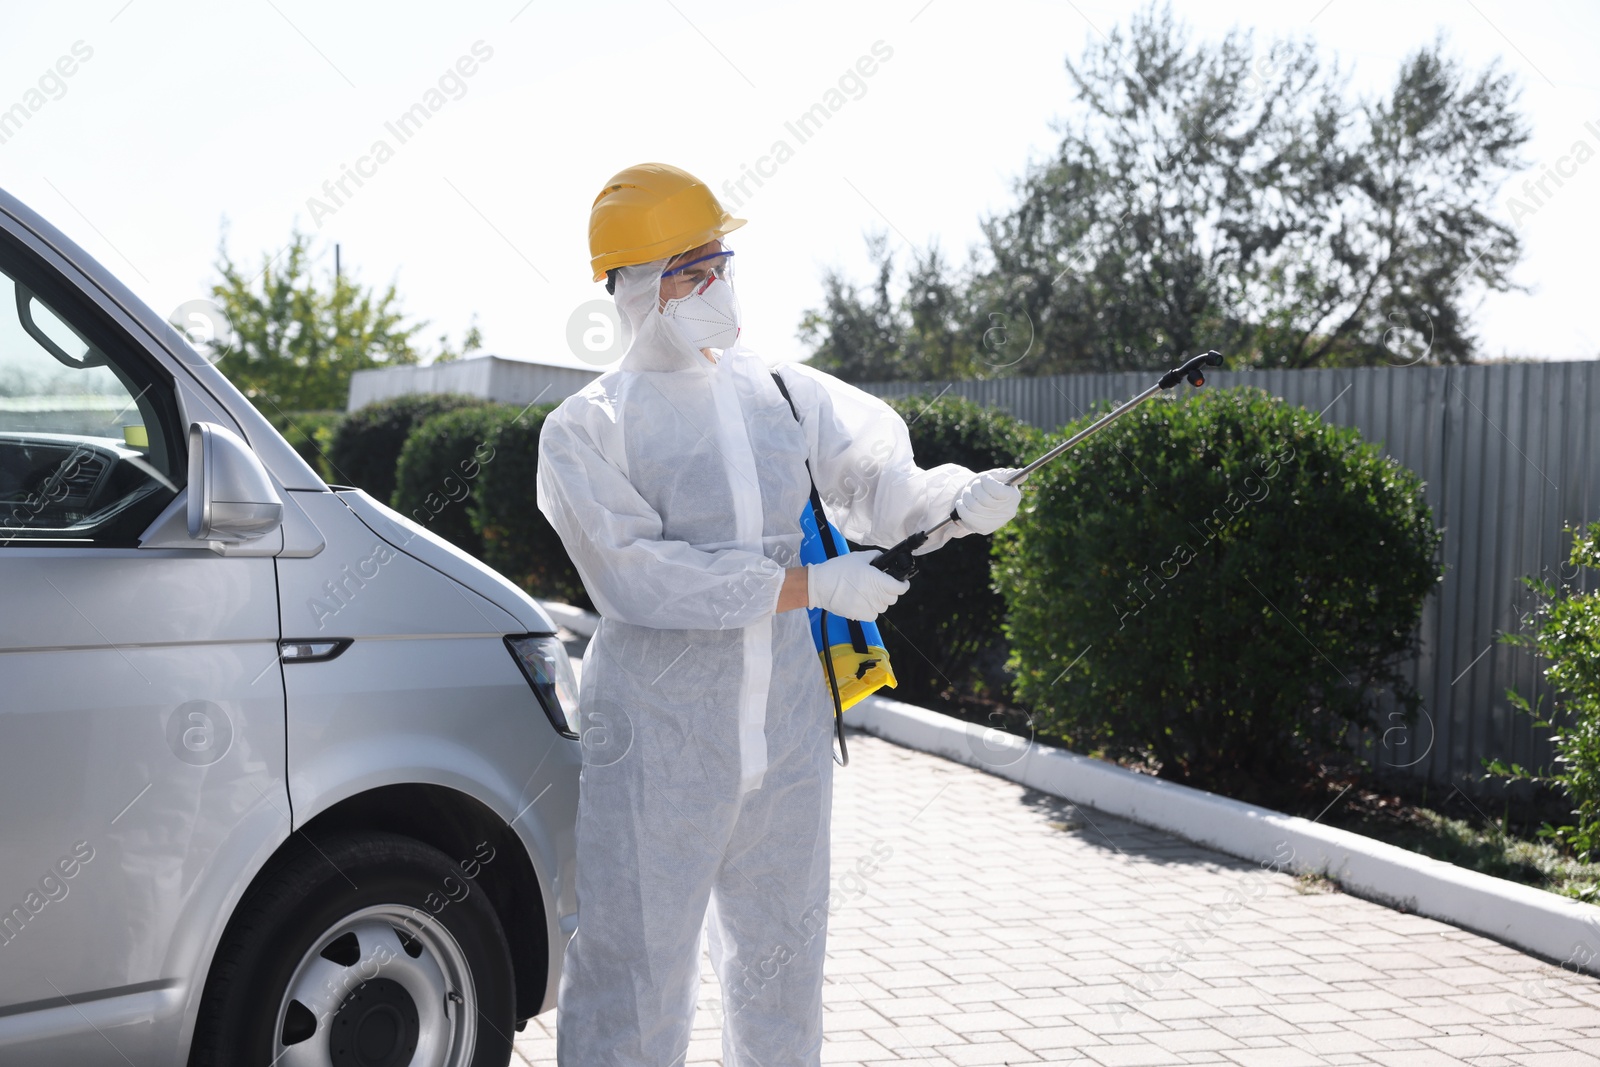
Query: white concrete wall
506	381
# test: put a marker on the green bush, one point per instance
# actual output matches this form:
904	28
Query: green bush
517	540
940	631
367	443
1219	587
1568	638
438	475
310	433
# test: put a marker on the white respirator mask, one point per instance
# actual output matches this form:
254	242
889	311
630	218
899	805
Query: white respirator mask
707	317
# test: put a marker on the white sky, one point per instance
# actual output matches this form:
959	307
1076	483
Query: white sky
191	113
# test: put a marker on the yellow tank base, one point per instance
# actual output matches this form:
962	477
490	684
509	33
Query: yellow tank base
859	674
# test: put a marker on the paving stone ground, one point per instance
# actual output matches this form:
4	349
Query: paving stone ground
1004	926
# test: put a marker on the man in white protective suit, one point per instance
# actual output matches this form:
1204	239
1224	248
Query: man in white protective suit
676	482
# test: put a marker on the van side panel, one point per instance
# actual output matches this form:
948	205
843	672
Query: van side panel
141	741
426	692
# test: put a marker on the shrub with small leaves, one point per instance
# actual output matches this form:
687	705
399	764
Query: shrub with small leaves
367	444
1218	587
1568	638
518	541
441	469
939	631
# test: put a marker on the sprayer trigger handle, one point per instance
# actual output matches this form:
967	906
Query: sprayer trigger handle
898	562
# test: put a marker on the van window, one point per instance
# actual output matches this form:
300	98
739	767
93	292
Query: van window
90	444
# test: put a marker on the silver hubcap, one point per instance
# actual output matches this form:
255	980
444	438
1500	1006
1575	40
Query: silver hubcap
383	987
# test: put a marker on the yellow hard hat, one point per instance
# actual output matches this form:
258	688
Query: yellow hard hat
653	211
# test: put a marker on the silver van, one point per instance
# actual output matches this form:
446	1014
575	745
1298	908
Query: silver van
284	777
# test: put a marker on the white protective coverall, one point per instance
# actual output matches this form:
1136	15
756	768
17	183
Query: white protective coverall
676	485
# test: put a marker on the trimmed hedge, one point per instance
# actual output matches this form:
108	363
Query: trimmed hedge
944	631
438	476
1218	587
367	444
310	433
517	540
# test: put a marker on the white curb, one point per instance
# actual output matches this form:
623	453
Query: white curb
1555	927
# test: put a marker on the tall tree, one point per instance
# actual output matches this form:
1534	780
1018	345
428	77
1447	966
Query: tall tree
924	333
855	334
297	340
1225	197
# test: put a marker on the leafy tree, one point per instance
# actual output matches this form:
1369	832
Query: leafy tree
924	334
1221	197
311	433
471	341
858	335
297	340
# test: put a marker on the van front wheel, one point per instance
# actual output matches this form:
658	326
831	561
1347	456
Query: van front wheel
369	951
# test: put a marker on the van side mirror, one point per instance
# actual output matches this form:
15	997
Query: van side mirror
231	496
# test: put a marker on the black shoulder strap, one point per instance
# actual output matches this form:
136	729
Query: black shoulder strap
858	636
817	513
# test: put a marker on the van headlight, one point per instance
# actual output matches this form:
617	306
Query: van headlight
547	667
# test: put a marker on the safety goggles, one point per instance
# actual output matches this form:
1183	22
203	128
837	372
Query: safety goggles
697	271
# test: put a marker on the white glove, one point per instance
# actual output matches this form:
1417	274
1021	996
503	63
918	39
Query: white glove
988	503
851	587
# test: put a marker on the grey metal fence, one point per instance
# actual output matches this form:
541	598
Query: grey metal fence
1508	453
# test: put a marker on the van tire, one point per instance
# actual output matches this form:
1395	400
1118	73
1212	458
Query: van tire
373	882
